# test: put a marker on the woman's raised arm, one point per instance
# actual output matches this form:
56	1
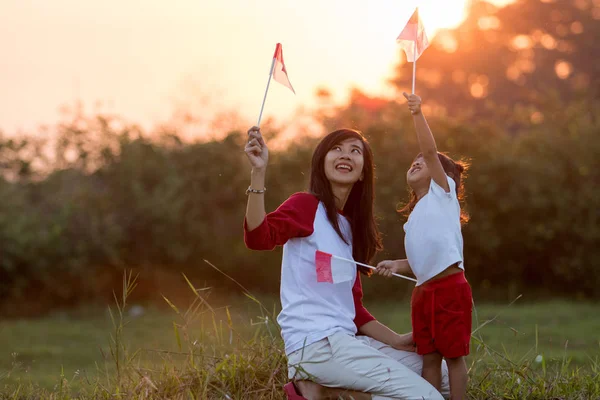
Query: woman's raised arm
258	154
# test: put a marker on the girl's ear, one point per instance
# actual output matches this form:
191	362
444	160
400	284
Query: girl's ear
362	176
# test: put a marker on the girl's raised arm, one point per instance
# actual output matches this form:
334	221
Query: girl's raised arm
427	142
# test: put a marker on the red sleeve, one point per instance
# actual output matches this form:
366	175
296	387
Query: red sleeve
362	315
294	218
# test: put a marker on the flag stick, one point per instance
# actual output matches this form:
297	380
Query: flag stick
266	91
368	266
414	67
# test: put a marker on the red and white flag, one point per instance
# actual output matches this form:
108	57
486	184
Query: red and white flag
279	71
333	270
413	39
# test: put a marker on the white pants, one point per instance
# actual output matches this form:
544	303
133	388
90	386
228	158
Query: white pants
366	365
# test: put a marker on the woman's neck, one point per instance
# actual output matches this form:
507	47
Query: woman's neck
340	194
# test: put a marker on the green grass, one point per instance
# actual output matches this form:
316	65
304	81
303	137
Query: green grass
527	330
195	351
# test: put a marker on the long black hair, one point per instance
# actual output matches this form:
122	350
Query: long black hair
366	239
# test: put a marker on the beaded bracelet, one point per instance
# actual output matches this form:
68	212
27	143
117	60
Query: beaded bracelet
250	190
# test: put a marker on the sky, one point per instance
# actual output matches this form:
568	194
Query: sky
144	60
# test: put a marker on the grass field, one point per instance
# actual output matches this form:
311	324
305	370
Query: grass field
236	351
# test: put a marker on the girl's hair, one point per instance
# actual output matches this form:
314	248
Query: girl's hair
366	239
455	170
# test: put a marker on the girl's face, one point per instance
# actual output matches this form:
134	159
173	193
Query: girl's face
344	162
418	172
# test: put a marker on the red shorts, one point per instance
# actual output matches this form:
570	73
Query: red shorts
441	316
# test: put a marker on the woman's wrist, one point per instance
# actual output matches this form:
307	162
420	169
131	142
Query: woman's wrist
403	341
257	178
258	172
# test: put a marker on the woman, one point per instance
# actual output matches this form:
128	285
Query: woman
319	320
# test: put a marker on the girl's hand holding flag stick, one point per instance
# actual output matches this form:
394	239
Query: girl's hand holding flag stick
389	268
330	269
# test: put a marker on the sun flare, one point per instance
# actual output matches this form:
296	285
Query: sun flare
446	14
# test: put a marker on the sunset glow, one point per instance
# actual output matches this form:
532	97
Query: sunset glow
443	14
147	60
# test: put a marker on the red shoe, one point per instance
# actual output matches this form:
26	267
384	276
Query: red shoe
291	392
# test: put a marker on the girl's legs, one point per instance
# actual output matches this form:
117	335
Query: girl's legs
432	370
457	368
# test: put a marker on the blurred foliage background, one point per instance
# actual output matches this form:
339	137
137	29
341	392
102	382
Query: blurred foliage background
513	90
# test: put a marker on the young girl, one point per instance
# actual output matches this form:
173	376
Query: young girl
441	302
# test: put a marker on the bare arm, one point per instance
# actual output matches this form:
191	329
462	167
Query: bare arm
427	142
258	154
378	331
367	324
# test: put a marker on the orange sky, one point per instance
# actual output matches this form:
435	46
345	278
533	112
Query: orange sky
142	59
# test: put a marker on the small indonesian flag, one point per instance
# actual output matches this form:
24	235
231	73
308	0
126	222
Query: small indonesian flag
413	32
279	71
331	269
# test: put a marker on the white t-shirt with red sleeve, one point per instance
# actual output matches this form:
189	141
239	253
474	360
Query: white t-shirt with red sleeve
311	310
433	240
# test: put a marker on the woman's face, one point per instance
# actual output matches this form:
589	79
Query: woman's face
344	162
